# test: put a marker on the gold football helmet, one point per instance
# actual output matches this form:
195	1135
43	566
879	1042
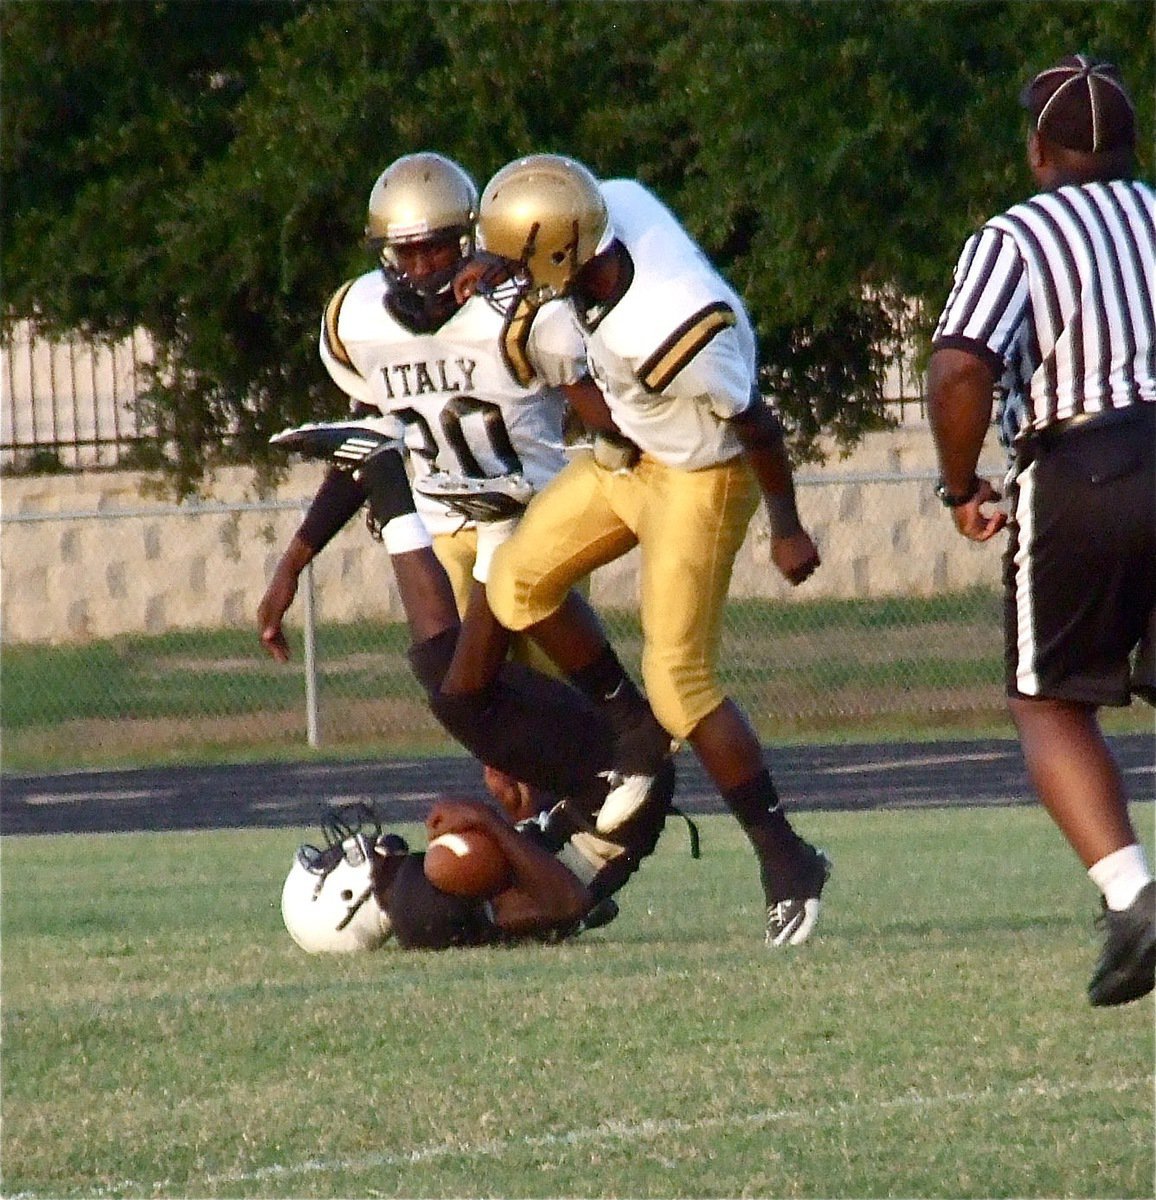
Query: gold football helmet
420	198
545	213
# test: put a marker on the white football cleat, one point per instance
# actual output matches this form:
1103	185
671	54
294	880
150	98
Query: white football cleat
629	794
478	498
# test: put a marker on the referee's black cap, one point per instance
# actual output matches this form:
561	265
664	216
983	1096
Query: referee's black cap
1083	105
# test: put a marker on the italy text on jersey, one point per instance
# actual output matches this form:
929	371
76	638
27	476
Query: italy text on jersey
454	390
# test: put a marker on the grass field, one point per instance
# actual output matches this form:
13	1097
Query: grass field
163	1036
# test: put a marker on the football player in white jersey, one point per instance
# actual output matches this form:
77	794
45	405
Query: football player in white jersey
473	398
689	446
470	394
467	395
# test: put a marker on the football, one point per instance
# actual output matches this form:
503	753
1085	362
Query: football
469	863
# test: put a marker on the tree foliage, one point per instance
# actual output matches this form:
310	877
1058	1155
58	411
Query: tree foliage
199	168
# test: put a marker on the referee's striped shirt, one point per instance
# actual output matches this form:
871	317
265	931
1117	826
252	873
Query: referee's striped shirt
1056	295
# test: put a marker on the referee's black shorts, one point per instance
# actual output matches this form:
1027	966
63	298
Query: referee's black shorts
1079	571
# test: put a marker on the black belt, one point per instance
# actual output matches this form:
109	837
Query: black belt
1034	442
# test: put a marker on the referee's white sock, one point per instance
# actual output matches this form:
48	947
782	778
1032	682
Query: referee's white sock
1121	875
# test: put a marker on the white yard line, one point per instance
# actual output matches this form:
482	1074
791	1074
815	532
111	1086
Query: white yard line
622	1132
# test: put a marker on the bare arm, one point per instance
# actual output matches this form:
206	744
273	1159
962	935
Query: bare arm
482	272
337	499
279	595
792	549
543	895
586	399
960	390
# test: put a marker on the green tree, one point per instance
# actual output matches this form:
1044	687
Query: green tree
200	168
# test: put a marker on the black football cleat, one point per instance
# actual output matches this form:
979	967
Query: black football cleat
791	919
1127	967
374	457
601	914
344	443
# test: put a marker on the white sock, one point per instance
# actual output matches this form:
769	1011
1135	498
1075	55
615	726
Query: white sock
1121	875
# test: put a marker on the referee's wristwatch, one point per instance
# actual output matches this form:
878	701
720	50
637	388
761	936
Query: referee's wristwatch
953	500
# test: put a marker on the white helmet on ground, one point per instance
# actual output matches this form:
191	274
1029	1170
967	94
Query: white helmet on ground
328	902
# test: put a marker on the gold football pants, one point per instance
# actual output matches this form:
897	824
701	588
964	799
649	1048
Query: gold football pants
689	526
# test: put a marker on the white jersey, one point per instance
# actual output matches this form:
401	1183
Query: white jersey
475	397
675	355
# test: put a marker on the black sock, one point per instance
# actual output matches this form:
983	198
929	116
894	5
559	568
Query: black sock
641	744
605	679
779	849
606	682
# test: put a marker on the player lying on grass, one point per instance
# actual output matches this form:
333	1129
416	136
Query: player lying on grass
366	886
532	727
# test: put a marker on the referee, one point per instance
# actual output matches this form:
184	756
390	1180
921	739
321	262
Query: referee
1052	307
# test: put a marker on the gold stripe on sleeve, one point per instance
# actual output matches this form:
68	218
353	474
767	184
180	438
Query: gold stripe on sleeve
515	335
334	343
683	344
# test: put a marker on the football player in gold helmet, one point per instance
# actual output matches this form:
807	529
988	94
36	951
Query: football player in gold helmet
687	445
421	226
474	399
434	372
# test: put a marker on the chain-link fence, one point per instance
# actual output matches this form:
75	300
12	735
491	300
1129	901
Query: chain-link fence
885	643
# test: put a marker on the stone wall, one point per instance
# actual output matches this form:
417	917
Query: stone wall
91	556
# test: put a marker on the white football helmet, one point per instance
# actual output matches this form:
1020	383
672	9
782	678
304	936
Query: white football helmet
546	214
328	901
421	197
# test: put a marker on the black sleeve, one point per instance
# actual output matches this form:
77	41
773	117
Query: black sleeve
424	918
337	499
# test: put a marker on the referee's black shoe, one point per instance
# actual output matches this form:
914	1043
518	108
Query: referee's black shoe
1127	967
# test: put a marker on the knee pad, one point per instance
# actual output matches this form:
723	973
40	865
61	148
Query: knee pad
501	593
